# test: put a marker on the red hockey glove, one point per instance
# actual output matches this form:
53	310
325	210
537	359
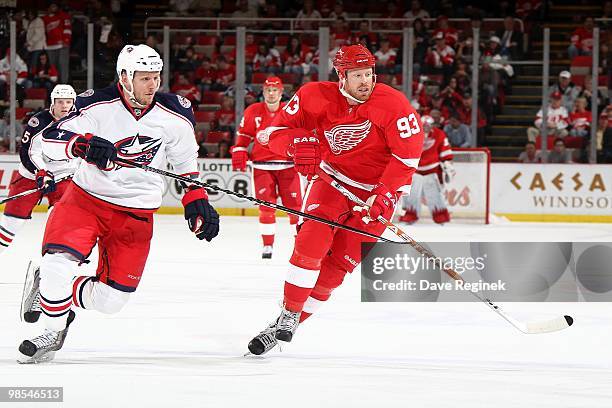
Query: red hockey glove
240	155
45	181
381	202
202	218
307	155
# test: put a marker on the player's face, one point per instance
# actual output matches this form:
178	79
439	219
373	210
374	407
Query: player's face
61	107
272	94
359	83
145	86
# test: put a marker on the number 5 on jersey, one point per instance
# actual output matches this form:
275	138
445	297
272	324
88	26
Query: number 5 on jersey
408	126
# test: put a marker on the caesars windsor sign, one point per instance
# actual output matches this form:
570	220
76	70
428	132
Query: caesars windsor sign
568	189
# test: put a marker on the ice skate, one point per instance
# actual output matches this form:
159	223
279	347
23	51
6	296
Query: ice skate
42	348
264	341
287	324
30	299
267	252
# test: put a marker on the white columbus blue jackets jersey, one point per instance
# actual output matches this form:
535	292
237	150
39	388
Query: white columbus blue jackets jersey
31	154
163	132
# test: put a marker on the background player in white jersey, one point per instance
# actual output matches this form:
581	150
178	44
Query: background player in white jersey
435	168
110	204
273	174
35	169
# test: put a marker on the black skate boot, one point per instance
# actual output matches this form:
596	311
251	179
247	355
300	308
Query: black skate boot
287	325
42	348
264	341
267	252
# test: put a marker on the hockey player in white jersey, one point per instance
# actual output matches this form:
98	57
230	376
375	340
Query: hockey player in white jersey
110	204
36	171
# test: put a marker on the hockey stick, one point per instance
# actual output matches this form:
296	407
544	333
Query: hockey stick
28	192
275	206
273	163
547	326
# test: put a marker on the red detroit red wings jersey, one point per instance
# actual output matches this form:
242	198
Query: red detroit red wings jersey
257	117
378	141
436	149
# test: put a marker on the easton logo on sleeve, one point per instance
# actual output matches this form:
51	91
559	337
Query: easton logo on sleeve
346	137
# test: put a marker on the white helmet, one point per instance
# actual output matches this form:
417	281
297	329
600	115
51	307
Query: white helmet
428	123
62	91
134	58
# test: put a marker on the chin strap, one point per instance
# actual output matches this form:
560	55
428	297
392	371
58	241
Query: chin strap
342	81
130	94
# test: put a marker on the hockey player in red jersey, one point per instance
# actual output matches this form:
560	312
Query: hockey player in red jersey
35	170
366	136
435	167
273	174
108	204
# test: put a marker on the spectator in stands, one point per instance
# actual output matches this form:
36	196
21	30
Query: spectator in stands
531	155
223	149
463	78
338	11
152	42
22	76
559	154
458	134
58	28
201	141
450	35
267	60
306	14
437	117
35	37
341	31
225	118
295	55
416	11
44	74
440	58
582	39
607	14
244	11
557	119
421	44
580	119
225	75
5	131
371	38
587	93
511	40
187	89
205	75
386	58
188	62
250	48
465	115
567	88
451	96
180	8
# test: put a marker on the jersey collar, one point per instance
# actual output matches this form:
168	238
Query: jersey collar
137	113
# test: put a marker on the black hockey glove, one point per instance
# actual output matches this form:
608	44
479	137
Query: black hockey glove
201	217
45	181
95	150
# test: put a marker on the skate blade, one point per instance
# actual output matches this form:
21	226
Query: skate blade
27	287
23	359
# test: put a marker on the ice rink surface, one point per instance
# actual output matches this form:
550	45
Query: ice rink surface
180	340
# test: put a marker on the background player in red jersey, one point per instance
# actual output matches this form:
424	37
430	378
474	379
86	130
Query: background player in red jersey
273	174
35	171
373	141
434	168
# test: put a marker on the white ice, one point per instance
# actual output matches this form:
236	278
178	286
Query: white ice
180	340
